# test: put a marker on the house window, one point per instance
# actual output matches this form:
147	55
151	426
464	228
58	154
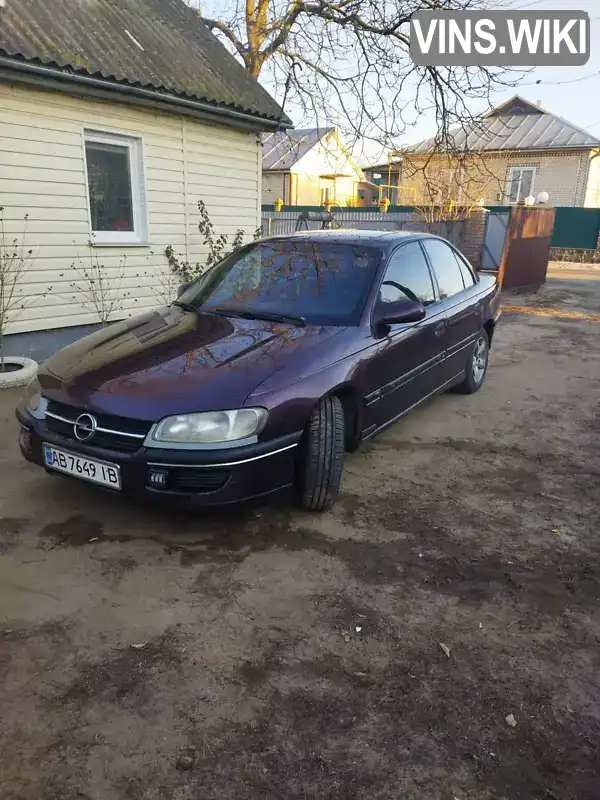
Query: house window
116	192
520	183
445	185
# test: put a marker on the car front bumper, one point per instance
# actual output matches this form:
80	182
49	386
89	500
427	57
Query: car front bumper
192	477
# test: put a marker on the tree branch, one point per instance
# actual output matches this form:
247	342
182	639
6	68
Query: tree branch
219	25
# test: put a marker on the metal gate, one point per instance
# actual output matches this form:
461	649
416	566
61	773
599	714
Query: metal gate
527	248
495	234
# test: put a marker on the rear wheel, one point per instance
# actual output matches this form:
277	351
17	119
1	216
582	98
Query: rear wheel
477	365
323	454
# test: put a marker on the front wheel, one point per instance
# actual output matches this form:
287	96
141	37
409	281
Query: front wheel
323	454
477	365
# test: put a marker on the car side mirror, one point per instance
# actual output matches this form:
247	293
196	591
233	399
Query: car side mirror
182	287
401	311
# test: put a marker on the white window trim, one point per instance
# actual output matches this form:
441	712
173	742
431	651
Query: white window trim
509	180
139	235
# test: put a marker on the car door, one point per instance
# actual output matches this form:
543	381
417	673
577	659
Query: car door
407	364
457	288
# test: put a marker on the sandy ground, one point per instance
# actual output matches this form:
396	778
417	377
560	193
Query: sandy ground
372	652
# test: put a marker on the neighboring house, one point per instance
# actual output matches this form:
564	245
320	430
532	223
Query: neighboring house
116	118
308	168
382	181
517	149
386	182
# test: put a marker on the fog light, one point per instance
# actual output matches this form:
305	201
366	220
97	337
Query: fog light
25	440
157	478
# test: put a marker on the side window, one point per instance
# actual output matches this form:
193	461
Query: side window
467	274
116	193
407	276
445	266
519	183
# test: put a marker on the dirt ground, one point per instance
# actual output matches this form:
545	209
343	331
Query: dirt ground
372	652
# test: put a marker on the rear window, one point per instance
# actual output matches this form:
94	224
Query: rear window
324	282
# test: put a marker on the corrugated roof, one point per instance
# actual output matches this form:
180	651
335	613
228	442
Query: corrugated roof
515	125
282	149
158	44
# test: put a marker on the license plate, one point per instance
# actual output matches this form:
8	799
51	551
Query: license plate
88	469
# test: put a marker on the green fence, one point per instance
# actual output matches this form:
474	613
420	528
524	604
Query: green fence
576	228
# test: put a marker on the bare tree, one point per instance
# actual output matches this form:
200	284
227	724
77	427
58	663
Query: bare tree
217	246
347	62
163	286
97	290
15	262
450	178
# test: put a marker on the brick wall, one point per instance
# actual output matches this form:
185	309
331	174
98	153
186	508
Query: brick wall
562	174
473	237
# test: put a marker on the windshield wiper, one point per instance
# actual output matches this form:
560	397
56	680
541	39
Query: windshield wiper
271	316
186	306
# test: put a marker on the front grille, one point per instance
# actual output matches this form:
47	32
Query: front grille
191	479
108	441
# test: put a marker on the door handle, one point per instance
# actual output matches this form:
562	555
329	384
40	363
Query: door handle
439	329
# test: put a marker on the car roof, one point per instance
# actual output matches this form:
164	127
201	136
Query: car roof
384	239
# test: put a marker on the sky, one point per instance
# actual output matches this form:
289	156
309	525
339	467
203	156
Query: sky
570	92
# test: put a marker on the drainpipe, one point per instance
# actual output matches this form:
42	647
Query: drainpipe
136	91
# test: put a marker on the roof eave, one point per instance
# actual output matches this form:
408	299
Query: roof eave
54	78
548	149
503	151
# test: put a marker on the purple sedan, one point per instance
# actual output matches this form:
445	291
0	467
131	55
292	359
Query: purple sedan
265	370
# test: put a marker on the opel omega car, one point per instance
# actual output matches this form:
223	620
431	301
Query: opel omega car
265	370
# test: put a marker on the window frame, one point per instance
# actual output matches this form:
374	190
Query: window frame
509	180
395	251
455	253
462	262
137	185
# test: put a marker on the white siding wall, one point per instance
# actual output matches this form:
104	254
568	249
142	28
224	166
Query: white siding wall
273	186
42	174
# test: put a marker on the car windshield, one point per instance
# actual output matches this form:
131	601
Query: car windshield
321	283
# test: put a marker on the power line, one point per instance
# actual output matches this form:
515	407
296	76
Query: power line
527	6
530	5
562	83
524	6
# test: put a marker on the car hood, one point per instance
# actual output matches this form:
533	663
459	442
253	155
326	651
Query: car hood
174	361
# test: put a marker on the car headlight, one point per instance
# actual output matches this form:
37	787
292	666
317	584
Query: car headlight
211	426
34	402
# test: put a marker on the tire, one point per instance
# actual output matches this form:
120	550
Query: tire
477	364
323	456
19	377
